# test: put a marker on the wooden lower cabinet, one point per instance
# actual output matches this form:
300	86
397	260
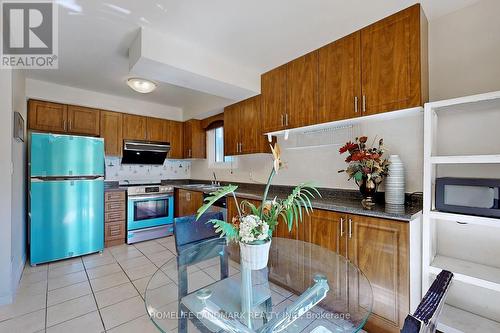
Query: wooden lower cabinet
114	218
380	248
187	202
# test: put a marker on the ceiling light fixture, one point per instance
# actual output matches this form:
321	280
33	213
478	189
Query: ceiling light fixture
141	85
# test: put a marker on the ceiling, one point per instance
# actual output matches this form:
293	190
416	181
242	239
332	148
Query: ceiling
94	36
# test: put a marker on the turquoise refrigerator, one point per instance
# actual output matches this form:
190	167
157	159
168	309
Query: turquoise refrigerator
66	196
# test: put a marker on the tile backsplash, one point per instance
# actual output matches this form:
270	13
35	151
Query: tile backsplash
169	170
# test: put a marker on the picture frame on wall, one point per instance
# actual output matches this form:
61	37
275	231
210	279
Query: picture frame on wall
18	127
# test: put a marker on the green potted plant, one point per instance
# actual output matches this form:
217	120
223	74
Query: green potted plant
254	231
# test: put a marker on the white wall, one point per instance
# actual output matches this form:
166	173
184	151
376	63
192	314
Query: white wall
464	51
5	185
464	58
70	95
401	136
19	148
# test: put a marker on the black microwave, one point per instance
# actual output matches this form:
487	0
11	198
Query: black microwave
472	196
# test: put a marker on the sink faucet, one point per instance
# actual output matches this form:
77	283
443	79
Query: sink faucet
215	182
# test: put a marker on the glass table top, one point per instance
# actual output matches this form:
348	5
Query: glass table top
305	288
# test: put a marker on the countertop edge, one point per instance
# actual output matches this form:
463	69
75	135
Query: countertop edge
328	207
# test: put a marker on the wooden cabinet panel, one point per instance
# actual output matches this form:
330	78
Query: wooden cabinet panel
111	131
252	140
327	230
242	128
380	249
187	202
114	196
274	93
114	218
391	62
156	129
302	89
114	233
232	129
82	120
47	116
175	136
194	139
339	87
134	127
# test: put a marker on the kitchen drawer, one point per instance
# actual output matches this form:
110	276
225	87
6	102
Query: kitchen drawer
114	206
114	216
114	196
114	231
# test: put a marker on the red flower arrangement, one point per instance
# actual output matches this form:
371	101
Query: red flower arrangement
365	163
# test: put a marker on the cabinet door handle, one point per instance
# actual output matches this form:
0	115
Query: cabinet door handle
286	119
364	103
70	125
189	152
350	228
355	104
282	120
64	125
241	147
341	226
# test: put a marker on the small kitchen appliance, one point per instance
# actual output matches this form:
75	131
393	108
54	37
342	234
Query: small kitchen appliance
472	196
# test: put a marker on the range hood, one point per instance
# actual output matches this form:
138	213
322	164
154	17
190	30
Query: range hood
144	152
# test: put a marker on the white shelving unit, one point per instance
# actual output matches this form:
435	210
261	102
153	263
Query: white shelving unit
467	273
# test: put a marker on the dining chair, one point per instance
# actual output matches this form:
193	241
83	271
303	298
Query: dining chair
191	235
424	320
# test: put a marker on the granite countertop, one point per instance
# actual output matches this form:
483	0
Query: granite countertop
337	200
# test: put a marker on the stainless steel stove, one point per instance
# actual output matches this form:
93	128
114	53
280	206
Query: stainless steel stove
150	210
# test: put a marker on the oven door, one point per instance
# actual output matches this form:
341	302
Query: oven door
149	211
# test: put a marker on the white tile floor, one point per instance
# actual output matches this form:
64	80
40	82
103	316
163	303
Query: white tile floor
94	293
102	292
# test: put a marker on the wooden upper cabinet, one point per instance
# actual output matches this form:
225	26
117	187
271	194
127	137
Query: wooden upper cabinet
82	120
394	62
380	248
111	131
156	129
134	127
252	140
175	136
47	116
339	87
232	129
302	89
274	93
242	128
194	139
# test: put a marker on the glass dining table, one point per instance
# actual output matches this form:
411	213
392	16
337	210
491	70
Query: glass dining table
304	288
